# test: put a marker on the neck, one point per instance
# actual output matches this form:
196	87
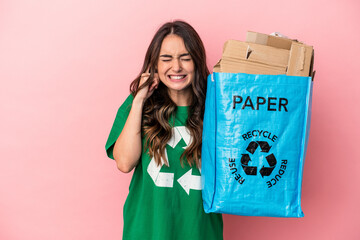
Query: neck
181	98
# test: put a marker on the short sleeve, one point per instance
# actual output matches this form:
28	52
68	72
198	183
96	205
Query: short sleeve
118	125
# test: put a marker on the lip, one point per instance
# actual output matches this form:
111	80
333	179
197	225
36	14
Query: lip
177	80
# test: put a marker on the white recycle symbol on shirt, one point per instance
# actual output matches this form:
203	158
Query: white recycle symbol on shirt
162	179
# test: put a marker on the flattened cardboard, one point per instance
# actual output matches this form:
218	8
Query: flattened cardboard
243	66
252	58
255	53
268	40
265	54
301	57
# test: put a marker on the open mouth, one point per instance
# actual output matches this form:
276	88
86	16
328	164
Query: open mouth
177	78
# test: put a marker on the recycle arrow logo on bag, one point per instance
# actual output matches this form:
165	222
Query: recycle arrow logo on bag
252	148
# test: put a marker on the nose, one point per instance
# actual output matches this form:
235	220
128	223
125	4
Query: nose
176	65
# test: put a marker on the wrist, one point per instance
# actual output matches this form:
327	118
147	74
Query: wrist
138	101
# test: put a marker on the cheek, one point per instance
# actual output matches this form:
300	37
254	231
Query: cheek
162	75
161	68
191	68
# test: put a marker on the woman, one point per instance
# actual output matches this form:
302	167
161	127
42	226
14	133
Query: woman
158	131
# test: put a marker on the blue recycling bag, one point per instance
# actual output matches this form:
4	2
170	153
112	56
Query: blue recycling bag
255	135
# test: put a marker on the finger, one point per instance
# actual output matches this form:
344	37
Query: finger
145	74
156	79
153	86
144	77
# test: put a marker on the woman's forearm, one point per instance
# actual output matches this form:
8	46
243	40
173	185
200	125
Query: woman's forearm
127	148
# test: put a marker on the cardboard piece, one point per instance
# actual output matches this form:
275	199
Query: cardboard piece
268	40
265	54
252	58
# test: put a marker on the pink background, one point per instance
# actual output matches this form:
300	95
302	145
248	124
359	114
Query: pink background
66	66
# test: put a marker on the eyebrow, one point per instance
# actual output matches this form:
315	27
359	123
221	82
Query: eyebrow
169	56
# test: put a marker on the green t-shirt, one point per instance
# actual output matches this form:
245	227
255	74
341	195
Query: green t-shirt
165	203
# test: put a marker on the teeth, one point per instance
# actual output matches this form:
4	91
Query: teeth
177	77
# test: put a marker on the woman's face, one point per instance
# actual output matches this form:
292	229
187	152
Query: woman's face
175	66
